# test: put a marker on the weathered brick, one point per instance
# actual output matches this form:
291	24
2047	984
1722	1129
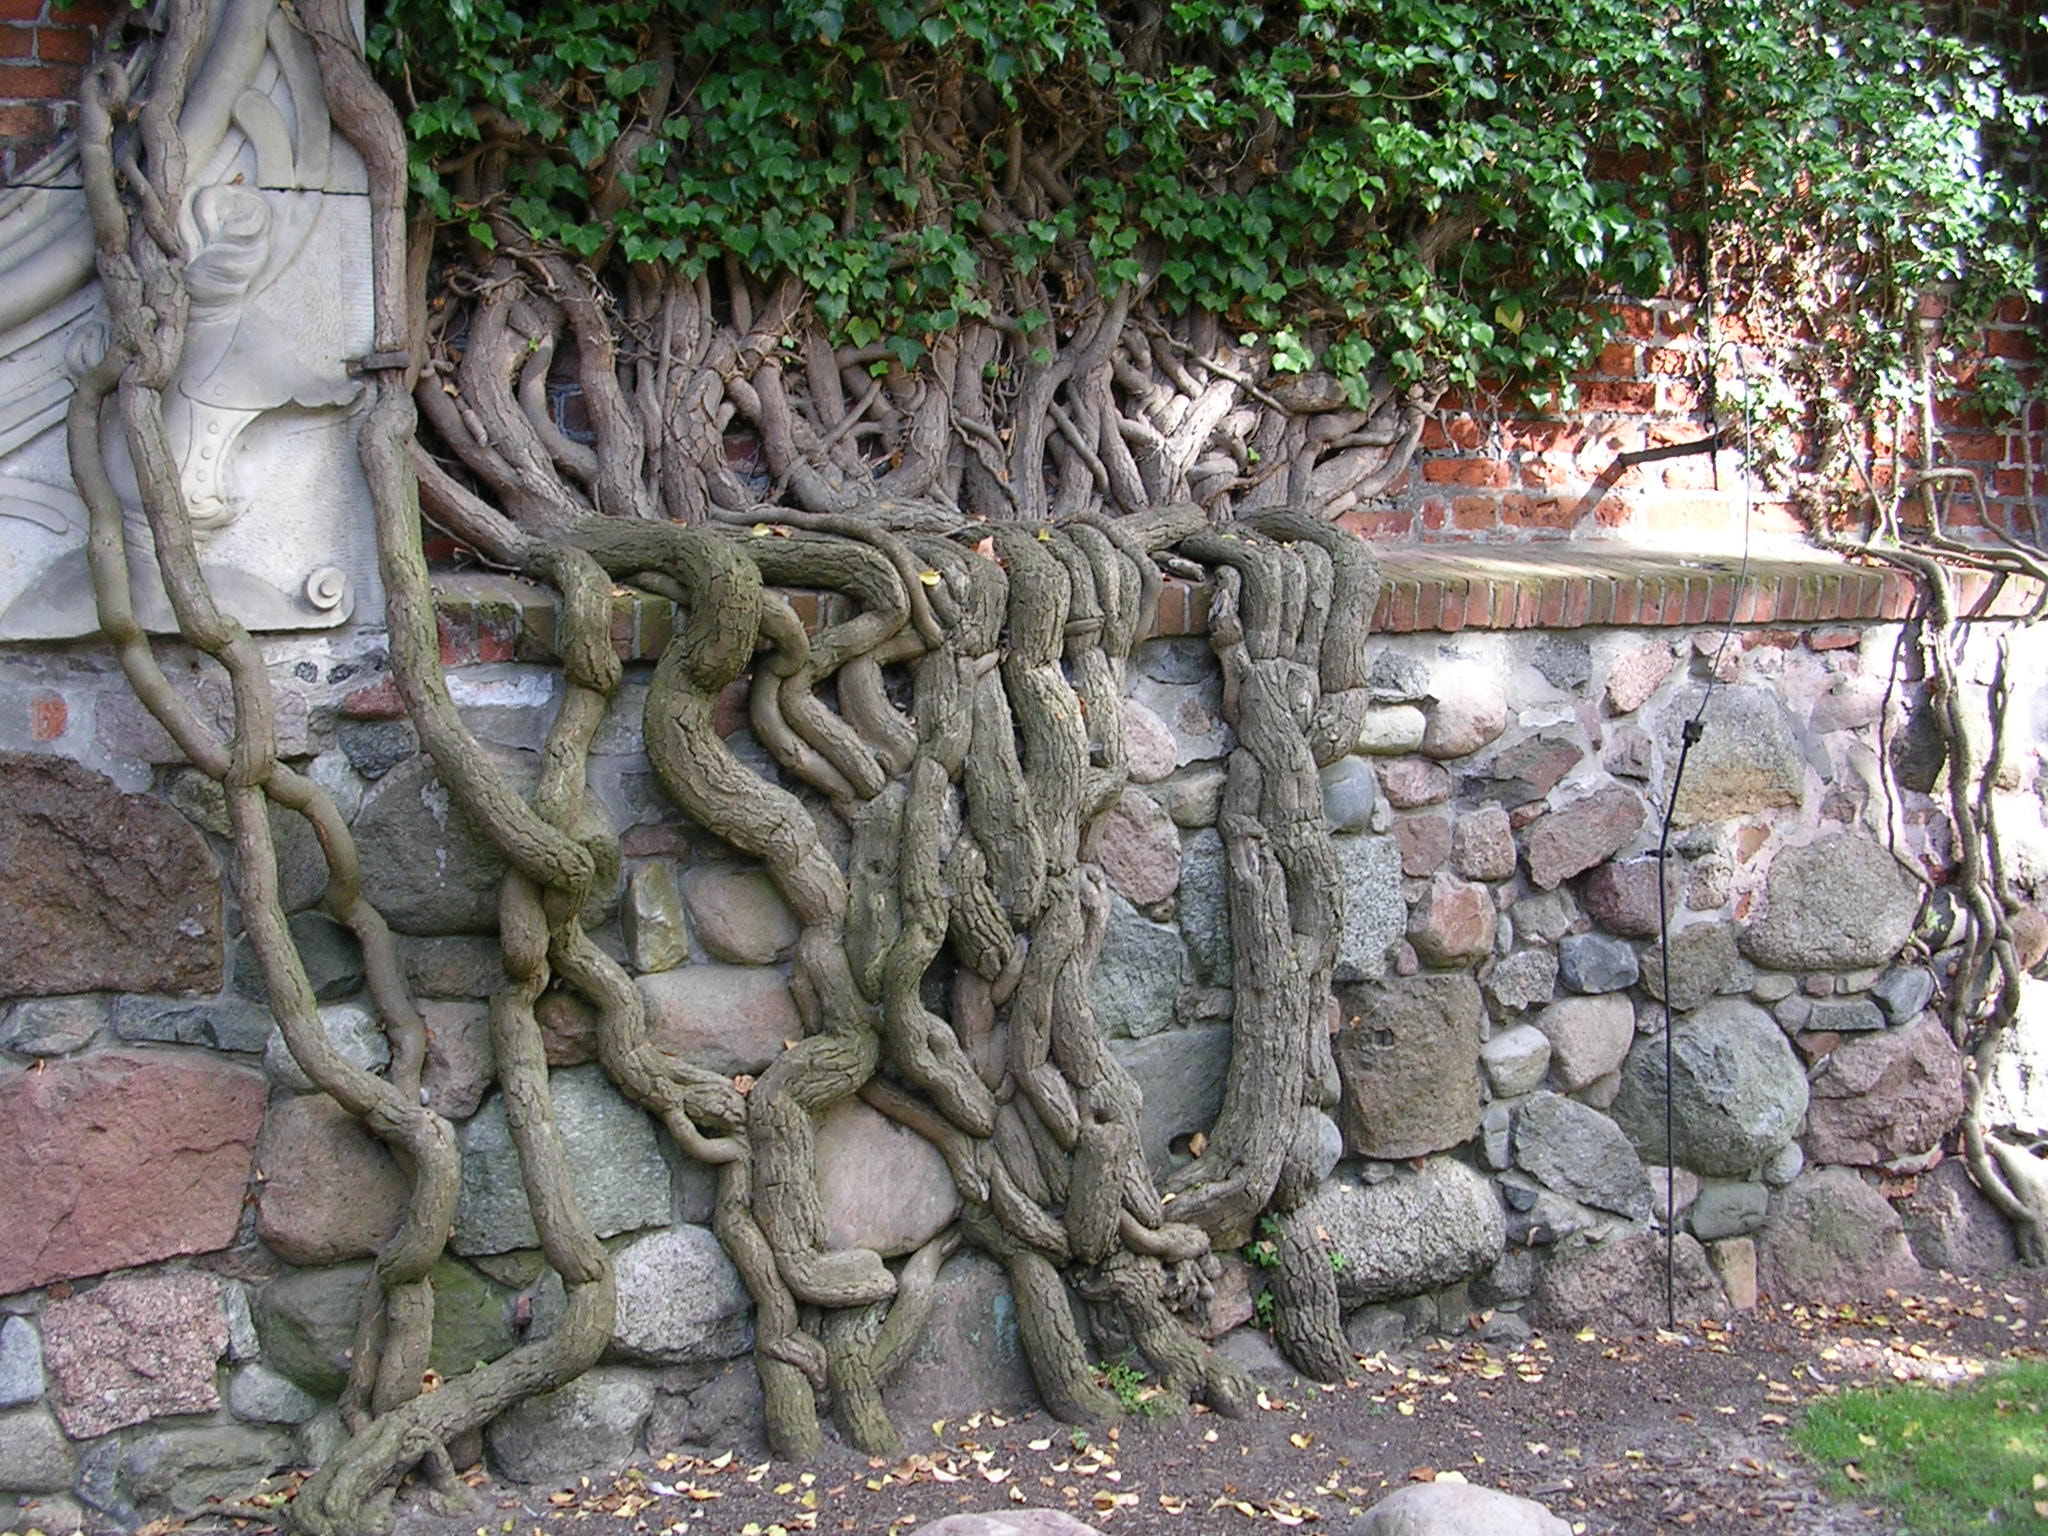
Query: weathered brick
1473	472
1699	593
1975	447
1429	604
39	81
1538	436
1613	512
1379	524
48	714
625	627
2010	343
1447	431
1398	600
496	637
1617	360
1677	397
1718	599
20	121
1606	396
1536	472
1637	321
1519	511
65	45
1452	612
1173	609
1691	474
1474	512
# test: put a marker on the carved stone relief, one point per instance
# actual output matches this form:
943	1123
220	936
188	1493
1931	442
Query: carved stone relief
264	409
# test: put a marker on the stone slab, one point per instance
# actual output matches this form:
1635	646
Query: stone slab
328	1190
681	1300
730	1018
589	1425
134	1349
1408	1056
971	1355
620	1177
737	915
119	1158
1749	759
1457	1509
883	1186
1415	1231
104	891
1886	1095
1375	916
1832	905
1181	1076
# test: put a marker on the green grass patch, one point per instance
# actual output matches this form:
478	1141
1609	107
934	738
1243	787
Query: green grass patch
1944	1461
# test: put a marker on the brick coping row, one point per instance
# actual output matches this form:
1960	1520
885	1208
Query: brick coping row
486	617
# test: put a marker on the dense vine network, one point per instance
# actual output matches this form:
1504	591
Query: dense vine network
980	317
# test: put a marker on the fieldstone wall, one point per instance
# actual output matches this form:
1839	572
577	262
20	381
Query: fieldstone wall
188	1228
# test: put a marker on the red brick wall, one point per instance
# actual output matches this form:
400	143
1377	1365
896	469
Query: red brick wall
1502	470
44	47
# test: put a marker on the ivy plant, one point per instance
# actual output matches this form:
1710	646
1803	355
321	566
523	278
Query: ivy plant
1450	189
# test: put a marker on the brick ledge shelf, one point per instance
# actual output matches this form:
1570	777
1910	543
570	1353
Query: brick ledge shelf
490	618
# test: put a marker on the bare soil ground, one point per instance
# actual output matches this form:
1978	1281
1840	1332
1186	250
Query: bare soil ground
1686	1430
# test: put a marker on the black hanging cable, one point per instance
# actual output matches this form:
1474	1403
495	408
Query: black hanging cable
1694	729
1691	733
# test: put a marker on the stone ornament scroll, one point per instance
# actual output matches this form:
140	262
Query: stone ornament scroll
263	413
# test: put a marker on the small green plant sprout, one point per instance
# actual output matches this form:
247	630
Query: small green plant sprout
1134	1394
1262	1309
1264	1250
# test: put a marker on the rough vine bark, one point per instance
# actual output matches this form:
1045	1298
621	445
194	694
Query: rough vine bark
1983	997
992	528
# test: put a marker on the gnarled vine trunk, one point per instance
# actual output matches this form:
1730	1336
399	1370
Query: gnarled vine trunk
996	523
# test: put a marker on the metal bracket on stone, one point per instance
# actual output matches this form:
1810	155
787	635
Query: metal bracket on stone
381	362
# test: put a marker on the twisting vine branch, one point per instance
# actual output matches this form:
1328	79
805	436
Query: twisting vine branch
989	500
1984	994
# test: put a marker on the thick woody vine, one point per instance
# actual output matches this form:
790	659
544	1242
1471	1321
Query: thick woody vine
1984	982
1008	583
1065	407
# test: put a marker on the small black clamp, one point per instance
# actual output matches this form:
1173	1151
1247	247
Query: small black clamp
1694	729
382	362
